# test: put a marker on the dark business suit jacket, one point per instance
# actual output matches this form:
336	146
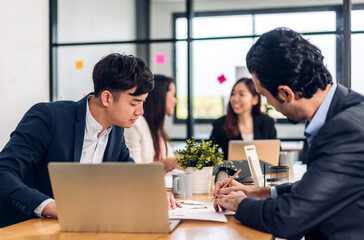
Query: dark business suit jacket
328	202
48	132
263	129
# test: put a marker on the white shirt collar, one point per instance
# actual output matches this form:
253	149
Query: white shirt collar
93	126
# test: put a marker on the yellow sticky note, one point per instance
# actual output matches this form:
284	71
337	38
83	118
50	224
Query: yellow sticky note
79	65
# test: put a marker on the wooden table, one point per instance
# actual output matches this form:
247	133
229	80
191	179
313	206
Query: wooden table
48	229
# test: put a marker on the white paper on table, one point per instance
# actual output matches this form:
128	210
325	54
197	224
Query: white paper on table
197	211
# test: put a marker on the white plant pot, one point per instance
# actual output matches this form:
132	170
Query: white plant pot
201	179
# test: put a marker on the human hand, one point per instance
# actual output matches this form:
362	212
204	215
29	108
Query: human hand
50	210
172	203
233	186
169	163
229	201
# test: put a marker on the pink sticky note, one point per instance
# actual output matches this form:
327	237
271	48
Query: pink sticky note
221	78
160	59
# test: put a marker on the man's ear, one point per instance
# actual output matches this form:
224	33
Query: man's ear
106	98
285	93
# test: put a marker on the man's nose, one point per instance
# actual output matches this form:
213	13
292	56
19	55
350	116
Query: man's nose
139	111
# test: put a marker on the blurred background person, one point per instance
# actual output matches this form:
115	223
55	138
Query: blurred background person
244	119
147	140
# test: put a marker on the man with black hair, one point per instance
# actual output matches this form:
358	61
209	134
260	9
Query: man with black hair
328	202
88	131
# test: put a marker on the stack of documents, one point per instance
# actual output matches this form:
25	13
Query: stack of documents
197	211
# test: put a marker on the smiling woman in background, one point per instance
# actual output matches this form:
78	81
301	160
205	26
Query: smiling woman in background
244	119
147	140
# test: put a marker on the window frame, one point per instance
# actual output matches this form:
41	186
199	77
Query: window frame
338	32
144	38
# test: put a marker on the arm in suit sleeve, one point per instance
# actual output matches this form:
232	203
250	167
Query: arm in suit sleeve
133	142
333	181
26	148
283	188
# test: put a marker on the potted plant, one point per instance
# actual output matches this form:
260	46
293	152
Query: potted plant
199	158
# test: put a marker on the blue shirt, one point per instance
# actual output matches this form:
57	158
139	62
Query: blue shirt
319	118
316	123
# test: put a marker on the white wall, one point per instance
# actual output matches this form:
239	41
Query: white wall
23	60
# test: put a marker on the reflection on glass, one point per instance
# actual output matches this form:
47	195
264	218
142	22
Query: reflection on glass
181	28
357	20
357	70
215	58
161	16
222	26
75	66
300	22
94	20
210	107
327	45
216	26
211	59
161	58
357	51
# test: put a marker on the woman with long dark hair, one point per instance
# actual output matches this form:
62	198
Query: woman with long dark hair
244	119
147	140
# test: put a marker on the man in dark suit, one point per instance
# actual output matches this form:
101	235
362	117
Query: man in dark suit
88	131
328	202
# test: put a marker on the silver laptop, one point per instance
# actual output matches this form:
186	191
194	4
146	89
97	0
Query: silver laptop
111	197
267	150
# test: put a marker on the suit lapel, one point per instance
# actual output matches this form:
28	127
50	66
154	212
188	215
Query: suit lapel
337	101
110	147
79	129
336	105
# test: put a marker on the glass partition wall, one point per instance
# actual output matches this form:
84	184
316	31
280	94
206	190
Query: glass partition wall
201	44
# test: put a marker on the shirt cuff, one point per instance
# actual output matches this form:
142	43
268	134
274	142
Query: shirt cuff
273	192
38	211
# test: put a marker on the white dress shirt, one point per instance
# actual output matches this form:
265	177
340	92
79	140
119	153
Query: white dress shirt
93	147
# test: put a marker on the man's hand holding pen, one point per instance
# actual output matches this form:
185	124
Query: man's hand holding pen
229	193
229	197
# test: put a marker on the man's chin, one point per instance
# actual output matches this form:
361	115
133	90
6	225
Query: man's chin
293	121
125	125
128	125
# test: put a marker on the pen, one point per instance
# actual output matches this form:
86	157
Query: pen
228	182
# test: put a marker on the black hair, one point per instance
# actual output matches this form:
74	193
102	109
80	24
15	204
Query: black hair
230	127
284	57
119	72
155	110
